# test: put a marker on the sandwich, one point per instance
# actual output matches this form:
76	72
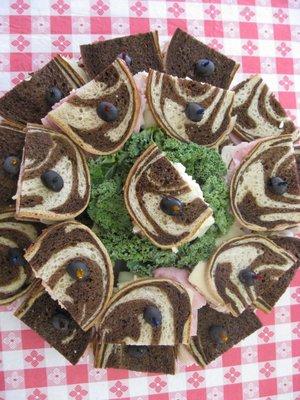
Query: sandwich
147	312
158	359
188	57
218	332
75	269
190	111
264	190
241	270
101	115
16	276
33	98
164	202
44	315
54	181
268	299
259	114
12	141
140	52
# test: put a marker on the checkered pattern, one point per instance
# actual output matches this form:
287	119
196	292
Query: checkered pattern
264	37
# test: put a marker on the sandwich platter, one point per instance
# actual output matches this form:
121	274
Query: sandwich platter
149	207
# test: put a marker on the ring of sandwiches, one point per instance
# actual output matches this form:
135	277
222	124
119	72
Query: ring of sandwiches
69	112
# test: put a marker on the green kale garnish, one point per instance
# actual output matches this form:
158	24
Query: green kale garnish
113	224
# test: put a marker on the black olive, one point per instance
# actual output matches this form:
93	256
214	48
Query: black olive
78	270
219	334
278	185
11	165
194	111
247	276
107	111
52	180
53	96
136	351
16	257
153	316
125	57
61	322
171	206
204	67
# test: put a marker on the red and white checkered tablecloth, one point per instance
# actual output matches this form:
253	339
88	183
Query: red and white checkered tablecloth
264	37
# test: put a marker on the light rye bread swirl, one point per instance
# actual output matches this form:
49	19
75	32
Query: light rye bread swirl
143	50
259	114
15	280
12	141
253	203
78	117
38	311
151	178
270	297
168	97
48	150
27	101
185	50
205	348
219	280
50	257
123	321
159	359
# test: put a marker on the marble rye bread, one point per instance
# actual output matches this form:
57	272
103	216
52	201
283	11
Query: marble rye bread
158	359
46	151
75	269
16	276
259	114
257	203
27	102
79	118
143	50
154	179
268	299
12	141
207	345
185	50
240	270
44	315
168	98
148	312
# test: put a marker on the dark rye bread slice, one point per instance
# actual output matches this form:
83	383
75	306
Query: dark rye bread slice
16	276
220	280
39	311
48	150
78	118
50	258
168	98
12	141
123	321
152	178
205	348
253	201
270	297
185	50
27	102
143	50
155	359
259	114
